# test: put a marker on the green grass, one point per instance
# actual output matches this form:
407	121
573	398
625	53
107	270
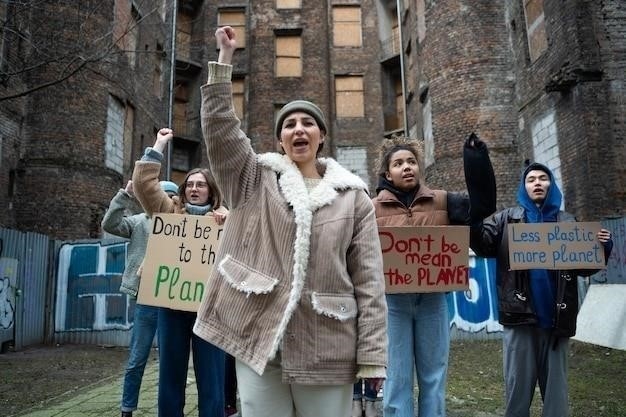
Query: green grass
597	378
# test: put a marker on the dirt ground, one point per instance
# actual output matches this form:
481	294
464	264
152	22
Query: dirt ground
42	373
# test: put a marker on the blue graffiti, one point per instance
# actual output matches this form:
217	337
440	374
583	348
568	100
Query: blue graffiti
88	296
476	309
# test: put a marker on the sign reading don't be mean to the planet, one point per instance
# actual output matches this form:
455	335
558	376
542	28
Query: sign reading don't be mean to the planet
179	258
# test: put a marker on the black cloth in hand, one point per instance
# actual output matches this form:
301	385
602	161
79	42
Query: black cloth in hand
479	178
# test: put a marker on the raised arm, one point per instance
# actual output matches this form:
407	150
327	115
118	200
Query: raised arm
146	176
231	157
117	220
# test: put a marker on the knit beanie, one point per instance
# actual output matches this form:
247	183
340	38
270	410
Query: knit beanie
169	187
536	166
303	106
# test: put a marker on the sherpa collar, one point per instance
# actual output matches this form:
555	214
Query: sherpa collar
335	178
304	204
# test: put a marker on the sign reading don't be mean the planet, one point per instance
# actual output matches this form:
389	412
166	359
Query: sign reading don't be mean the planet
419	259
179	258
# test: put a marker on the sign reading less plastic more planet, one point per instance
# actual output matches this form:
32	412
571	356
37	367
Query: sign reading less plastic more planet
567	245
179	258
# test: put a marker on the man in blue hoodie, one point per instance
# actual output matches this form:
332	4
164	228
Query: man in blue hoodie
537	307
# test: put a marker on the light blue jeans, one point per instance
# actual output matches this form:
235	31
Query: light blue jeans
144	328
419	341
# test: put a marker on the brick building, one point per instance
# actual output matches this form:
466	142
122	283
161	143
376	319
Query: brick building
68	147
536	80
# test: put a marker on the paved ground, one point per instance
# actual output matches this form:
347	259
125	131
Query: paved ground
103	401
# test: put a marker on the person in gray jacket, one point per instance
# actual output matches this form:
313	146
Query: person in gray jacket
297	292
125	218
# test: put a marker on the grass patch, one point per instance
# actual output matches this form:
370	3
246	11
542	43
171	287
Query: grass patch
476	385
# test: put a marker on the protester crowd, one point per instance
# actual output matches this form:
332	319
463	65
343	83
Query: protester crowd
295	319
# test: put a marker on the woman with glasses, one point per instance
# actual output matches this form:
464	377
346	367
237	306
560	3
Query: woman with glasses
197	195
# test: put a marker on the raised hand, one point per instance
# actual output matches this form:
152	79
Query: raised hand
129	188
226	43
164	135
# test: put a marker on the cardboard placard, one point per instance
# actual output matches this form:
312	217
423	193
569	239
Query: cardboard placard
566	245
179	258
425	259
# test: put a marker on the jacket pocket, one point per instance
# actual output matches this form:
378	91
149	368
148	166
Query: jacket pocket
335	327
245	279
337	306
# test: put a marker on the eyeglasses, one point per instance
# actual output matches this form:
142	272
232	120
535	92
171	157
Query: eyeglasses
198	184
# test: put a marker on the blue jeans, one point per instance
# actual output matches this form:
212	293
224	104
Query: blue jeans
175	338
142	336
419	340
370	394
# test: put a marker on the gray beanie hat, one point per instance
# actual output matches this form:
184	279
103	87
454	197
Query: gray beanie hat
303	106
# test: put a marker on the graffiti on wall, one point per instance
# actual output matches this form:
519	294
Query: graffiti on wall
615	272
88	280
476	309
8	279
89	276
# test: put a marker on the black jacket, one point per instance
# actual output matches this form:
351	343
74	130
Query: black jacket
515	306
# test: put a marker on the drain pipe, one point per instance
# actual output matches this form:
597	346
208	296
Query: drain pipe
170	107
402	77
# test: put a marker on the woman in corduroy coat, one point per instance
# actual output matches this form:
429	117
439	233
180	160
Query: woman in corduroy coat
297	295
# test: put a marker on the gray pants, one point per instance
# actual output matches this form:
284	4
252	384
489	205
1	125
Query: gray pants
531	356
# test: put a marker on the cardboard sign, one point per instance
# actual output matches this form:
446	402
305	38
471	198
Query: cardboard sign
179	258
568	245
425	259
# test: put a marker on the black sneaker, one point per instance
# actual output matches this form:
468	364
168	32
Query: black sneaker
127	414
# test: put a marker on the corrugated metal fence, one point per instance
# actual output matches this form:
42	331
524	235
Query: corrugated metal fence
25	285
79	301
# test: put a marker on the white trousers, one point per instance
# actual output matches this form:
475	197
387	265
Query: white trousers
267	396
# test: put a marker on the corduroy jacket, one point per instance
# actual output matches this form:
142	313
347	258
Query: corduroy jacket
296	271
135	227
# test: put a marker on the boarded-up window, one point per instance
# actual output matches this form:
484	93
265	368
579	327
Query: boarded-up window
126	28
157	74
397	86
238	96
179	113
121	21
129	127
288	56
237	20
114	135
347	26
395	35
288	4
535	28
349	96
183	36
